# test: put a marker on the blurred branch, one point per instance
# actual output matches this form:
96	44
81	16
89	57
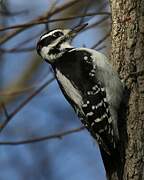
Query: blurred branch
19	50
17	91
45	15
84	12
4	9
44	138
22	79
8	13
5	110
52	7
53	20
11	115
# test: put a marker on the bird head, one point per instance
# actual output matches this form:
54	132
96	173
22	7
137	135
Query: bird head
52	45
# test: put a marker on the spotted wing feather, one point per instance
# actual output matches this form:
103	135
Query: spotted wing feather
95	112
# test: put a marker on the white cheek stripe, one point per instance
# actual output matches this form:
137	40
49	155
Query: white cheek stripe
70	90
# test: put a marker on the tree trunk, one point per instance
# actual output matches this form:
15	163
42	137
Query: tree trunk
127	57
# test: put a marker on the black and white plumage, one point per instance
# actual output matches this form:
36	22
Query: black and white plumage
88	82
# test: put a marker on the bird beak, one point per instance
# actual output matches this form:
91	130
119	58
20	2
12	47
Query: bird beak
77	29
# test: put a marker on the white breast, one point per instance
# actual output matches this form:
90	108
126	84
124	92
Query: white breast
70	90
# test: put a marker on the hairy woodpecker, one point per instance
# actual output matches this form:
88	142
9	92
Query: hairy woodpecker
87	81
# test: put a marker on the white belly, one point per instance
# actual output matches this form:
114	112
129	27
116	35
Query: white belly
69	89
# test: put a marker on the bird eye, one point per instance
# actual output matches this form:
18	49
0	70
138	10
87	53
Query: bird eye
58	34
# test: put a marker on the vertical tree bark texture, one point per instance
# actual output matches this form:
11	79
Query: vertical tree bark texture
128	58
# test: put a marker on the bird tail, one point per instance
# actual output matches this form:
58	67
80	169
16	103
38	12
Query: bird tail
112	163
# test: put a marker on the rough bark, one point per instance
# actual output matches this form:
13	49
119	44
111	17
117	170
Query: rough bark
127	57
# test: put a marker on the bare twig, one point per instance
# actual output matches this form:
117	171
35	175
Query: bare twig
52	7
45	15
53	20
84	12
19	50
2	126
16	50
8	13
44	138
